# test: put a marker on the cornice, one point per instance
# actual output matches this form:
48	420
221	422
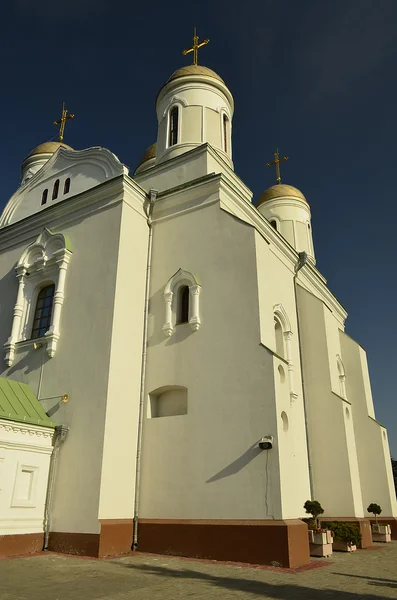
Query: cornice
37	432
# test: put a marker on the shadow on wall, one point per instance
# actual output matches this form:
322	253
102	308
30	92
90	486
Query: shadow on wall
260	588
238	464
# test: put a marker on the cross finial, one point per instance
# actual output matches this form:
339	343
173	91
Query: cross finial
277	160
195	47
62	121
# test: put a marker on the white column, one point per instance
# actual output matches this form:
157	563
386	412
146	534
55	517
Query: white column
194	311
168	327
53	332
17	317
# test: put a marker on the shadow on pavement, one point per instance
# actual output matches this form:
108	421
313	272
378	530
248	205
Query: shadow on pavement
261	588
379	581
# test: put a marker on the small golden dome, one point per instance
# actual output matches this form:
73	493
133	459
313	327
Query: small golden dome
280	190
149	154
190	70
49	148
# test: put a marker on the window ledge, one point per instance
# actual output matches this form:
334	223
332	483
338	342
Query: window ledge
49	340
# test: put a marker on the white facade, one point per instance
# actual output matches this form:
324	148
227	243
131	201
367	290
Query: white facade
214	383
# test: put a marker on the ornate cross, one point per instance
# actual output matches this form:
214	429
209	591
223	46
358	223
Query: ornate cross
277	160
62	122
195	47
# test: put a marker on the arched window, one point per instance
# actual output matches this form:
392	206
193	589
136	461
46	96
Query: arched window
183	305
182	302
225	122
173	133
66	187
44	197
274	224
43	312
55	190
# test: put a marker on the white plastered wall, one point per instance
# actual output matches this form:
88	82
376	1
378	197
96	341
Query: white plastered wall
332	444
276	287
371	438
80	366
205	464
25	452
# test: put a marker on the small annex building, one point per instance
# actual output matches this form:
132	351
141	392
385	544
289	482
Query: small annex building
26	445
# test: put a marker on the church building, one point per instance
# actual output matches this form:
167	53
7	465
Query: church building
176	377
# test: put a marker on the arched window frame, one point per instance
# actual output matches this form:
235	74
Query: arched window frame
174	106
66	186
280	316
276	220
171	297
44	197
42	263
55	190
342	377
227	148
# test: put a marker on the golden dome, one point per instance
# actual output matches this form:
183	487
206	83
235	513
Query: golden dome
195	70
148	154
49	148
280	190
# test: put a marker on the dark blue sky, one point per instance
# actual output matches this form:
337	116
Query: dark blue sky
317	79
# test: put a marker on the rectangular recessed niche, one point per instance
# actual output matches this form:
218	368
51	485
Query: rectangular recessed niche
24	489
169	401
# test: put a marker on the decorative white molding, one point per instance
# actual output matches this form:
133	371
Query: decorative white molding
45	261
180	279
280	314
102	163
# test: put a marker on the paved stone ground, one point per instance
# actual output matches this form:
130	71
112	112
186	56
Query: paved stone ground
366	574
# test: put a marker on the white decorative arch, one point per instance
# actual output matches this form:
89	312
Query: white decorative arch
342	376
45	261
280	315
172	102
179	279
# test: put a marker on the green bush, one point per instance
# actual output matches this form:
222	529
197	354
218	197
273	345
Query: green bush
375	509
345	532
314	508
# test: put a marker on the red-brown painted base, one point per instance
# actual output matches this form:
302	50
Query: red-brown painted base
364	525
282	543
24	543
114	539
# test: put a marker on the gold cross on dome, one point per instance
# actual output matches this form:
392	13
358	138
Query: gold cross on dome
62	122
195	47
277	160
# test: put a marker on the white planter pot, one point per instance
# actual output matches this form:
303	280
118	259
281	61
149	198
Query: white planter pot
381	537
320	549
382	529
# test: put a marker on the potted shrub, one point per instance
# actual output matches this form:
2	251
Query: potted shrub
320	540
346	536
380	533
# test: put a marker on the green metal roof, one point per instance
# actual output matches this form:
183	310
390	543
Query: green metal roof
18	403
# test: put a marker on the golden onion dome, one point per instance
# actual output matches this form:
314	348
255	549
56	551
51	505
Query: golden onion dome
49	148
190	70
149	154
280	190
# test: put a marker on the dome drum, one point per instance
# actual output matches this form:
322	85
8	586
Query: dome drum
287	209
194	107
